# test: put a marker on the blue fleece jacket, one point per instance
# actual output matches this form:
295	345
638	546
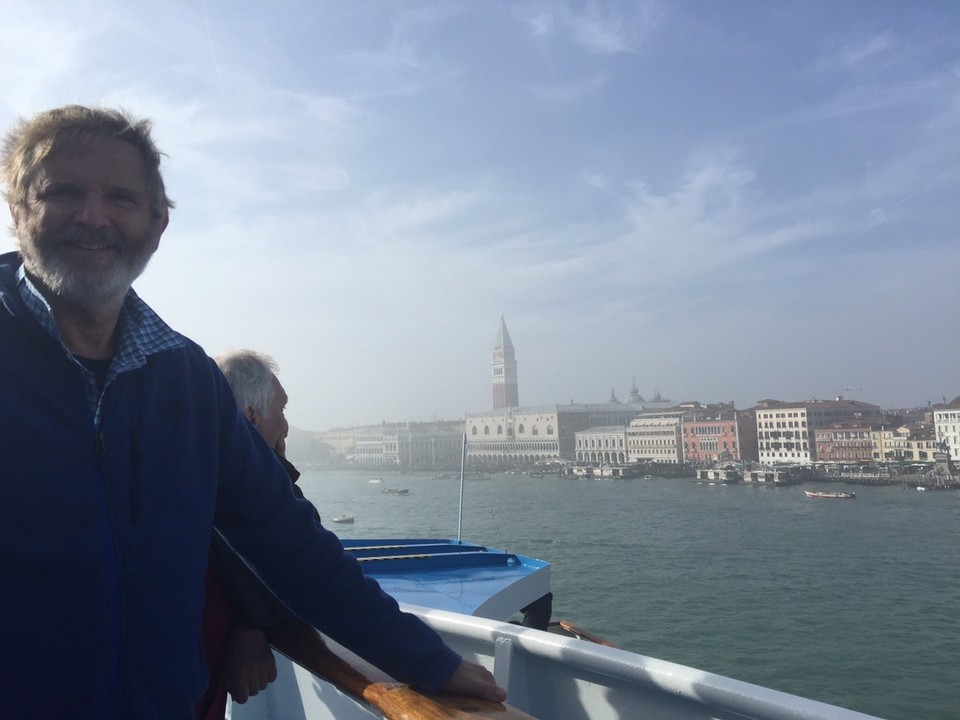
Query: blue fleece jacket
104	534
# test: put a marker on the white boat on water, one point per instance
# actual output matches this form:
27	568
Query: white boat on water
466	593
830	495
343	519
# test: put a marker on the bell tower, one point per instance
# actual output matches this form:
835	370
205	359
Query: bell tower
505	393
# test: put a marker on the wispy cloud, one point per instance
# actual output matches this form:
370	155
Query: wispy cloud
691	229
855	54
572	91
335	111
37	51
541	24
600	27
866	99
596	180
417	215
405	63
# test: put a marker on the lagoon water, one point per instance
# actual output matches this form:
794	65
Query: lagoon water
852	602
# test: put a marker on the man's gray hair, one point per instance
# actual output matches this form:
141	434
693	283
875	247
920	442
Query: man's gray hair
250	375
28	144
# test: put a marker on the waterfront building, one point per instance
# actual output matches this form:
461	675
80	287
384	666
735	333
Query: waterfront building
602	445
844	442
525	435
656	438
904	417
423	445
916	443
521	436
785	430
505	391
369	448
614	412
718	433
339	441
747	434
946	422
510	435
436	444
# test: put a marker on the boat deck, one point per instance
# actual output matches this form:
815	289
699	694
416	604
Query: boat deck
454	576
547	675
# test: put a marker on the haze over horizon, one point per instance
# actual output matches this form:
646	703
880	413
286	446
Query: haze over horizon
718	201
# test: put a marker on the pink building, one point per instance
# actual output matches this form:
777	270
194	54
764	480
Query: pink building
718	433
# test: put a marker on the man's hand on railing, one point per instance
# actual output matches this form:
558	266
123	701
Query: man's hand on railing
476	681
471	693
248	663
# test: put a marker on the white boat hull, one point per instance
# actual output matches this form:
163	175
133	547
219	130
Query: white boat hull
558	678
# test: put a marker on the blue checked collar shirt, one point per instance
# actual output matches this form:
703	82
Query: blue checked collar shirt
142	333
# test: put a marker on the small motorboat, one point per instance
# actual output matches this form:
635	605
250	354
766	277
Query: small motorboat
830	495
375	481
395	491
346	519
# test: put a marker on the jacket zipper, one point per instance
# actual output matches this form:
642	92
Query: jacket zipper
113	639
101	448
134	477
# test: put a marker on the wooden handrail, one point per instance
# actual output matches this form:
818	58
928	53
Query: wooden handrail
578	632
397	701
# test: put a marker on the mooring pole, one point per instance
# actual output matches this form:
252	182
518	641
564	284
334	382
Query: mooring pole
463	463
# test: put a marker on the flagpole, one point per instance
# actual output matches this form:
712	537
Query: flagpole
463	462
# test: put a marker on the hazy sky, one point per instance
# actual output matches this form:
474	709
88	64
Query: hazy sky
722	200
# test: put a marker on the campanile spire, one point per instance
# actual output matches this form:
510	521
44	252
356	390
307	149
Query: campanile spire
505	392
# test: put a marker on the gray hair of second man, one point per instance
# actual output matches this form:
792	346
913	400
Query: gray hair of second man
250	375
34	139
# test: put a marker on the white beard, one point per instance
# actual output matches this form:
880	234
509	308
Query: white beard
74	282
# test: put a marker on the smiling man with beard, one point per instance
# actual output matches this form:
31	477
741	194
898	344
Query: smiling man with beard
121	447
66	242
86	226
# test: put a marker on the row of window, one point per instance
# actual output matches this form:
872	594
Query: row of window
601	457
524	447
909	444
845	456
823	446
600	443
784	446
708	444
521	430
506	457
709	430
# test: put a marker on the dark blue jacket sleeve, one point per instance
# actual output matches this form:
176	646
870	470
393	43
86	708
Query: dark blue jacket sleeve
306	566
